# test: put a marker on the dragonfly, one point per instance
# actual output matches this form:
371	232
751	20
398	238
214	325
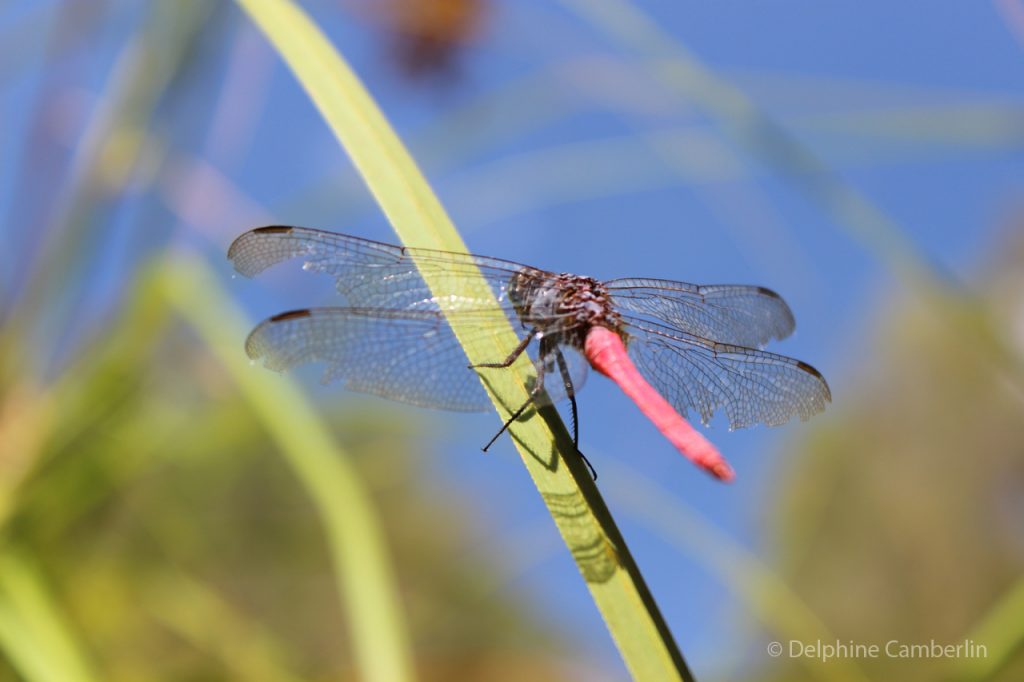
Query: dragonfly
672	347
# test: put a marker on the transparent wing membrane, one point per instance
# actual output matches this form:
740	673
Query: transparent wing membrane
409	356
750	386
740	315
697	345
371	274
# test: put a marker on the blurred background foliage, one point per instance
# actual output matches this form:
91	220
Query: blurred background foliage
153	436
933	440
151	526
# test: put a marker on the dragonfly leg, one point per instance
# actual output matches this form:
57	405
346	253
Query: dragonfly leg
538	386
563	369
511	356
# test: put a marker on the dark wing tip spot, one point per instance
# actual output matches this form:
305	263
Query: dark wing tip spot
255	346
291	315
273	229
242	260
815	373
765	291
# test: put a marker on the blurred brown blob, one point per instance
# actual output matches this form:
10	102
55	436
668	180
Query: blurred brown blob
902	514
426	36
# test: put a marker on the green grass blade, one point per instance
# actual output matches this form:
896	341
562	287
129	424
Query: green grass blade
355	539
202	617
33	633
1001	631
418	217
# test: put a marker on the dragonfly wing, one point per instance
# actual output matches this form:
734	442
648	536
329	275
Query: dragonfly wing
750	386
411	356
740	315
374	274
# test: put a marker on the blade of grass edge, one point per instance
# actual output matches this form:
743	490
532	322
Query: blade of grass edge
416	214
35	635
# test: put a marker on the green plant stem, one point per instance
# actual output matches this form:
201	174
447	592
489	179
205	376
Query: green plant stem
362	566
35	635
415	213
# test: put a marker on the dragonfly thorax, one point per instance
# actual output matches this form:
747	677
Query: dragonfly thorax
563	304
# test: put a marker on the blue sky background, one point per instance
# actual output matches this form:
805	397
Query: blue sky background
917	105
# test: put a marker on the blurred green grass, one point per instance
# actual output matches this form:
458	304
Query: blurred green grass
161	515
899	515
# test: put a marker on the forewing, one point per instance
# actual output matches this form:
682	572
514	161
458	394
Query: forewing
750	386
411	356
374	274
733	314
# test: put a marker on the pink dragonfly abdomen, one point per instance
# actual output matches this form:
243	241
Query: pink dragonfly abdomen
607	354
